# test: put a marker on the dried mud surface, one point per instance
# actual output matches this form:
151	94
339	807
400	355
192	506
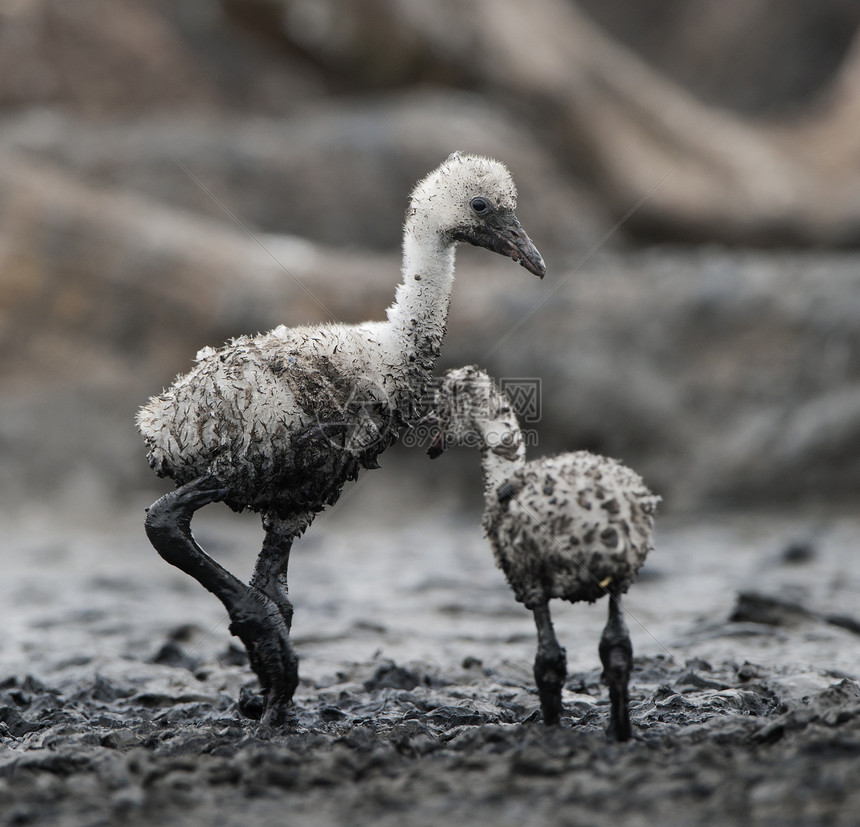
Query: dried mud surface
119	681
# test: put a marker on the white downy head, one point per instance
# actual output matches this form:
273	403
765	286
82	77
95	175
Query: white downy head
470	198
471	410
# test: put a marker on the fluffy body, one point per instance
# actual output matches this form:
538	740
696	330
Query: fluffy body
567	526
560	527
284	419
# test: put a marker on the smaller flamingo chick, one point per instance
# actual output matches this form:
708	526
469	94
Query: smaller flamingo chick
574	526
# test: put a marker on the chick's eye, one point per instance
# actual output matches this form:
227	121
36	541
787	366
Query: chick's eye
480	205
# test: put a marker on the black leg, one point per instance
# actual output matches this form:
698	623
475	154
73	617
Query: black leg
255	618
168	526
270	572
550	666
616	655
270	577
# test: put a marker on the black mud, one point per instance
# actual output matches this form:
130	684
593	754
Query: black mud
396	746
120	687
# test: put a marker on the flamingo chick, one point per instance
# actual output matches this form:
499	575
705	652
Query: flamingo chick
574	526
278	423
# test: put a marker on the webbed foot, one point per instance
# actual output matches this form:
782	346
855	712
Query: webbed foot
259	624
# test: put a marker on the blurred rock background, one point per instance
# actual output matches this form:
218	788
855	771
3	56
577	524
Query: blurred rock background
176	172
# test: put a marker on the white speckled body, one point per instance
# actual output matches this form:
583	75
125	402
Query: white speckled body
284	419
565	524
560	526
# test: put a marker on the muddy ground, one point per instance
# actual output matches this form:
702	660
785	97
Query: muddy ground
119	680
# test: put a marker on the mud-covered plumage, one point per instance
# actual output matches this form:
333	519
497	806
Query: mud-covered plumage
574	526
284	419
563	525
559	526
281	421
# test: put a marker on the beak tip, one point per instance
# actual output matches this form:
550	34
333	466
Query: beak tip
533	261
537	267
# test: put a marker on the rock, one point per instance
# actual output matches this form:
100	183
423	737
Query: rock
799	551
392	676
752	607
316	172
850	624
15	723
668	34
109	56
49	49
172	654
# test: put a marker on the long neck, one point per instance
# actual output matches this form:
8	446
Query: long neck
503	449
419	314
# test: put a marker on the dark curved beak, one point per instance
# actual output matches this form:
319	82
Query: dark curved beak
503	234
516	244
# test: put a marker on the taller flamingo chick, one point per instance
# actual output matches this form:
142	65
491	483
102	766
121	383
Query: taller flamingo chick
280	422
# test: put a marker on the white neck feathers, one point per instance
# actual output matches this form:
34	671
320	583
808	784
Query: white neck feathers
419	314
503	449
